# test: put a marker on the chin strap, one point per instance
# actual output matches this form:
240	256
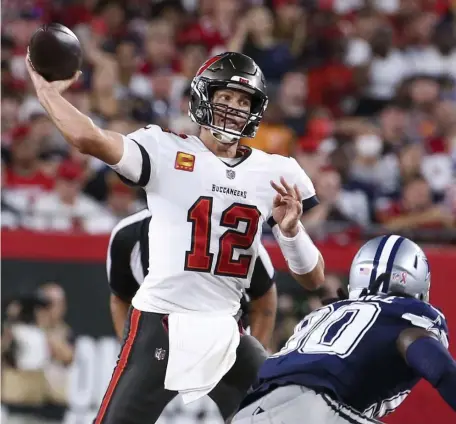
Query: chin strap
223	138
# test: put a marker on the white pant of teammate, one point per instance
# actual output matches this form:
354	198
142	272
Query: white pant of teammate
298	405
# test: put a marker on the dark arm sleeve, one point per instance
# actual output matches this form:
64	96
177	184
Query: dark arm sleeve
120	276
263	275
307	205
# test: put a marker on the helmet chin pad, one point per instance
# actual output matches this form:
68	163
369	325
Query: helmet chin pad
222	137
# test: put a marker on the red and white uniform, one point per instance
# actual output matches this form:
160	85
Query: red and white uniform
208	216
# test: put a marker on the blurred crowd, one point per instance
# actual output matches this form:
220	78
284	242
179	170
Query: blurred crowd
362	93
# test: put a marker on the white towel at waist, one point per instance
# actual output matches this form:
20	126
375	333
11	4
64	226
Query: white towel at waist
202	349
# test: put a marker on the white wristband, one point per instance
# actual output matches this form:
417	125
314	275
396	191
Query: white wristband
299	251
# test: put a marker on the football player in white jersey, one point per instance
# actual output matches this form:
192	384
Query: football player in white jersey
209	197
127	263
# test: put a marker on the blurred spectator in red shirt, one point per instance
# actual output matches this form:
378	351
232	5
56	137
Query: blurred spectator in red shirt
25	167
415	209
313	150
160	48
445	117
217	21
24	175
109	22
75	13
67	208
438	165
331	85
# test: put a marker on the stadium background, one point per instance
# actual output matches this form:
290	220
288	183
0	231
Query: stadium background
362	94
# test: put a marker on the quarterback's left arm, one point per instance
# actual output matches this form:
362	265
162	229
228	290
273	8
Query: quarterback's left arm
313	279
430	359
304	259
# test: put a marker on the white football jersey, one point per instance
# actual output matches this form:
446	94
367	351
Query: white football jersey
208	216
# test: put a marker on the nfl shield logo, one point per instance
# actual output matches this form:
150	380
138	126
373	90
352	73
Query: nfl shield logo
230	174
160	354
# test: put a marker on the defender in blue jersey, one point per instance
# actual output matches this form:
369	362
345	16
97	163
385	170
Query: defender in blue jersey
357	359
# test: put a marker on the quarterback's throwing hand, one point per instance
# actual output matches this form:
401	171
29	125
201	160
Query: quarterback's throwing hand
287	207
41	84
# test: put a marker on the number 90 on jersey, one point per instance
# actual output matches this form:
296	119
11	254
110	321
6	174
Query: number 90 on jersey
332	331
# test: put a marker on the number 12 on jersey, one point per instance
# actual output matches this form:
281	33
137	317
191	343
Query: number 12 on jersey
199	258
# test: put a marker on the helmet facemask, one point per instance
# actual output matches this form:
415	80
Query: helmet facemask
204	111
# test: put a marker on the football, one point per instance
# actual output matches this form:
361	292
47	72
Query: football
55	52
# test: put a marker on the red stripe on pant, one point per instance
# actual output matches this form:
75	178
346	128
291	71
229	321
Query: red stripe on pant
123	359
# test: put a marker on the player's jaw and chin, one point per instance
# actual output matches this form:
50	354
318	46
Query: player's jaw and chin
227	124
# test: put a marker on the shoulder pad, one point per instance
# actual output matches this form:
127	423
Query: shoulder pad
424	315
